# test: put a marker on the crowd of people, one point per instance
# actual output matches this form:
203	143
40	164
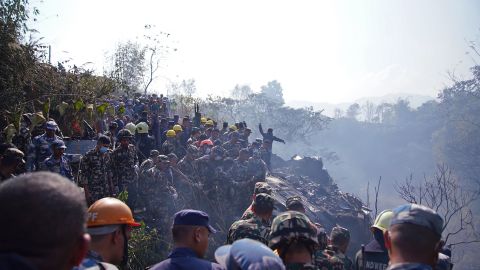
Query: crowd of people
166	167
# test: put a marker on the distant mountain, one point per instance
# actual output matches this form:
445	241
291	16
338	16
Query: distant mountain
329	108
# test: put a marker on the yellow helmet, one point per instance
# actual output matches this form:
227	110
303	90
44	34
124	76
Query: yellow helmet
203	120
142	128
382	222
233	127
209	123
177	128
171	133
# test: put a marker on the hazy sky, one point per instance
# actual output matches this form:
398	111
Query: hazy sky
322	51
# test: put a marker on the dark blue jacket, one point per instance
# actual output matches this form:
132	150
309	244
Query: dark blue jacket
185	258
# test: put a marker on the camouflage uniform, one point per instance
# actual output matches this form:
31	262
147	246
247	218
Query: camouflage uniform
332	258
61	166
39	150
254	228
168	147
124	161
232	149
186	166
211	174
96	175
289	226
158	198
260	187
256	167
239	171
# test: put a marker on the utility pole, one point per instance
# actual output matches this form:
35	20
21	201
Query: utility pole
49	54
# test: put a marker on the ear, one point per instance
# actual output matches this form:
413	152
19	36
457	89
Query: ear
388	242
197	235
80	249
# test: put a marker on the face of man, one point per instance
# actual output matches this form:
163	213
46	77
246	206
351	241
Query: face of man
50	132
124	142
118	244
58	152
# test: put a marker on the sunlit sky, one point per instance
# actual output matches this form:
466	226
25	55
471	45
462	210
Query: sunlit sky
320	51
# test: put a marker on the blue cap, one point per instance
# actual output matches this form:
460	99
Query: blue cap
248	254
51	125
190	217
418	215
58	144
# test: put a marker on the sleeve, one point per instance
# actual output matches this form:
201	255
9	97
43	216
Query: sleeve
261	130
278	139
83	181
31	156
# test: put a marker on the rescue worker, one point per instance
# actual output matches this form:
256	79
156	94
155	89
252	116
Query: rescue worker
95	174
149	162
23	139
257	227
334	256
169	145
260	187
180	150
256	167
9	162
294	238
244	137
40	149
49	230
240	167
109	224
112	134
233	146
413	239
58	162
144	142
159	195
205	147
295	203
124	165
210	172
374	255
269	136
266	153
186	164
190	232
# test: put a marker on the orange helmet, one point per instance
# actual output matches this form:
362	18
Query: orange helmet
110	211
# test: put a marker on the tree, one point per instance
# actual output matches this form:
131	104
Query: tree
128	67
353	111
274	91
444	194
369	111
241	92
337	113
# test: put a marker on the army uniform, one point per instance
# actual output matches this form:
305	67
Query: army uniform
210	174
239	171
187	167
39	150
253	228
158	197
332	259
232	149
96	175
123	165
293	226
61	166
168	147
257	168
260	187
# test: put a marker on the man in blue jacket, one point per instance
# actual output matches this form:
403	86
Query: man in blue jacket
190	231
